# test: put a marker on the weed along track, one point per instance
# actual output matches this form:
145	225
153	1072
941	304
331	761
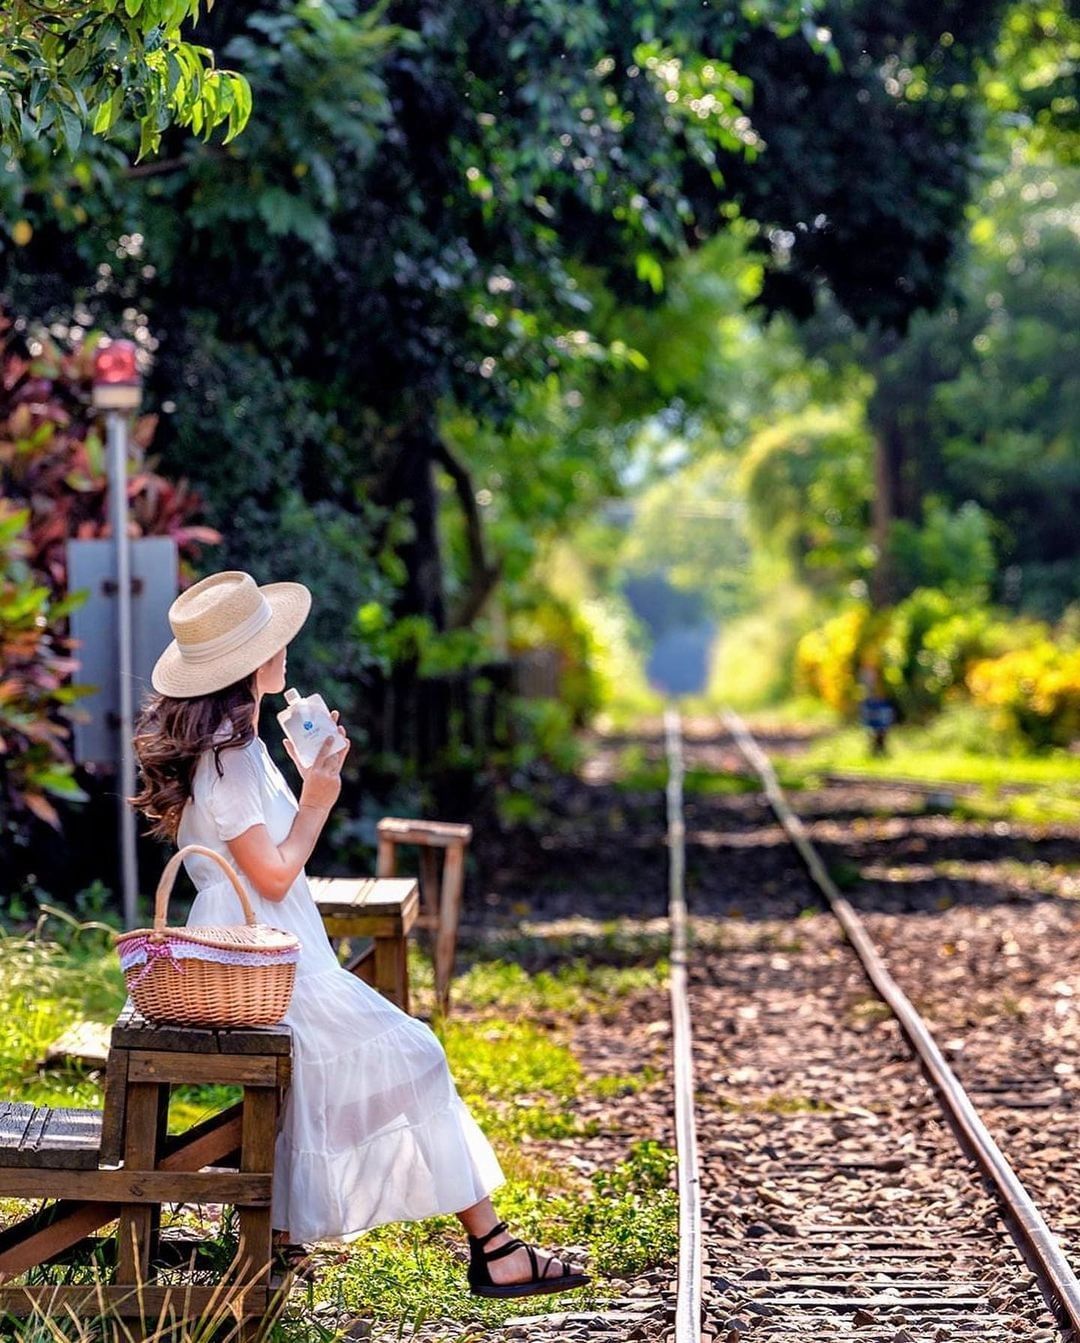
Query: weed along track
837	1200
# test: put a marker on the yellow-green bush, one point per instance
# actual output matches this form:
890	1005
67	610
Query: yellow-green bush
931	638
827	660
922	649
1035	689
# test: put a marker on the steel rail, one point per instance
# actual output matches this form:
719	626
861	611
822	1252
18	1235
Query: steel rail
1035	1239
688	1282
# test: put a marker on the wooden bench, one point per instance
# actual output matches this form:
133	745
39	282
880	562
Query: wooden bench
440	897
121	1165
383	911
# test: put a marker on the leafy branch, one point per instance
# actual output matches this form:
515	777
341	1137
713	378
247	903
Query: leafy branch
70	66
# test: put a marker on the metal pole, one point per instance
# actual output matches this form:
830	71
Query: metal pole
116	428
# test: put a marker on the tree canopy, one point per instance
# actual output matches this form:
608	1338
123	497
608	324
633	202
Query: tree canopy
72	66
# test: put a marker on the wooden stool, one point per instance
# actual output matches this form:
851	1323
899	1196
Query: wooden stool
369	907
441	902
122	1165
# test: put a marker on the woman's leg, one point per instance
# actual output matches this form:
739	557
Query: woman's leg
517	1267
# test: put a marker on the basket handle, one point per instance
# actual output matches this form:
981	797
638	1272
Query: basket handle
168	878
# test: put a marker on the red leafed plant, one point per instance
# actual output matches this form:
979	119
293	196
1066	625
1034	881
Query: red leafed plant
53	485
34	669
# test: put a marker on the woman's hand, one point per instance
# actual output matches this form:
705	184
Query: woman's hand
322	780
305	770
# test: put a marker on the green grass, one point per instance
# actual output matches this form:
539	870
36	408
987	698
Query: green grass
637	771
1035	789
571	990
627	1217
45	987
510	1046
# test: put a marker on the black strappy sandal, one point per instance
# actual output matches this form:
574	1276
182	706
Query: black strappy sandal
540	1284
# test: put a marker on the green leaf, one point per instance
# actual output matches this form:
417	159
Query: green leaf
73	128
649	269
148	137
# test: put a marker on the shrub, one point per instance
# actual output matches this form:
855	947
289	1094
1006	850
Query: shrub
34	760
922	648
52	458
1035	689
930	640
53	486
827	659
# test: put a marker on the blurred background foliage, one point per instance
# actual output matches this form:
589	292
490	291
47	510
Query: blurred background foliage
637	333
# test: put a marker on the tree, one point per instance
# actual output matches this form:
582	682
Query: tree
991	390
70	66
441	207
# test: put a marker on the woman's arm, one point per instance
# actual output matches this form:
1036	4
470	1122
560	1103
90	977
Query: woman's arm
272	868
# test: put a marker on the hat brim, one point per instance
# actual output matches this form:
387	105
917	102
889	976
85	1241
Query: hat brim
180	679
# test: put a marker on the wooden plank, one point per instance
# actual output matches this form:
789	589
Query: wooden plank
15	1117
31	1139
365	925
59	1226
133	1031
440	834
136	1186
362	964
161	1132
56	1228
362	895
236	1069
255	1039
392	970
207	1144
257	1155
140	1154
66	1139
386	857
112	1121
182	1301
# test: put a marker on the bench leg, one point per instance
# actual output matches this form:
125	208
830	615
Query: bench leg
429	884
257	1155
145	1124
362	964
392	970
386	855
449	914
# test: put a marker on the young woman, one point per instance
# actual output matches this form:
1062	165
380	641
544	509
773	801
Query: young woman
373	1129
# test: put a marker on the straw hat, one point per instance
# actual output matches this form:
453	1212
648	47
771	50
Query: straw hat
226	626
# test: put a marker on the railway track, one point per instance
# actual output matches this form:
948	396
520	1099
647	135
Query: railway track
836	1201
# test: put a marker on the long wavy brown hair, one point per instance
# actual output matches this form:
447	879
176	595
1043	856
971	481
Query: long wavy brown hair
171	735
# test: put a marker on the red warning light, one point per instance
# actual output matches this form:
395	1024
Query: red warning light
117	385
116	363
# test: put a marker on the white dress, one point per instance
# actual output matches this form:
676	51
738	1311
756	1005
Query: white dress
373	1129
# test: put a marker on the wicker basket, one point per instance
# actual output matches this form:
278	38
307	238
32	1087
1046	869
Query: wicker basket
234	975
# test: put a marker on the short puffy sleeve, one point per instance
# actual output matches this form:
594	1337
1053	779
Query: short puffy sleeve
235	798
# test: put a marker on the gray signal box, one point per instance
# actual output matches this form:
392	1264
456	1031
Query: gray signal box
154	583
